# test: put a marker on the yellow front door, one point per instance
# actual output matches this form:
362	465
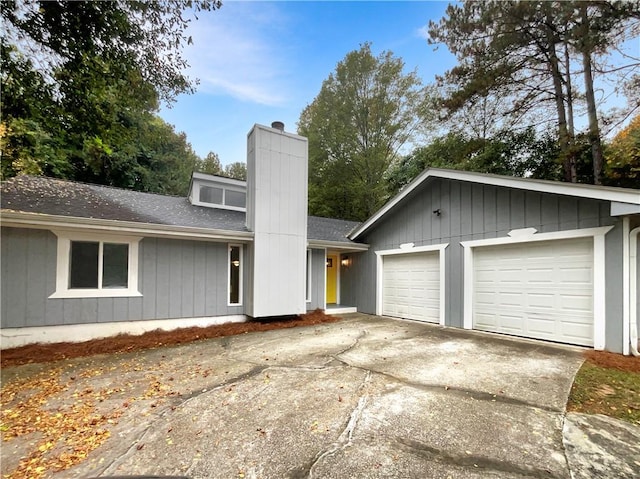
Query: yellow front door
332	278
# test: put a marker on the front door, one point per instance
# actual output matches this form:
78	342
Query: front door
332	278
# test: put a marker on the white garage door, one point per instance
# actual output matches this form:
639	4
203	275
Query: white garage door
541	290
411	286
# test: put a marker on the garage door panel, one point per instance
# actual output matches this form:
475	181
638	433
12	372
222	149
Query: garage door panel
411	286
541	289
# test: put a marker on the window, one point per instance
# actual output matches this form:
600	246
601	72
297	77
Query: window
235	198
235	275
210	194
308	285
96	266
222	196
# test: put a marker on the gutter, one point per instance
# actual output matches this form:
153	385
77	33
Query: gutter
633	287
344	246
41	221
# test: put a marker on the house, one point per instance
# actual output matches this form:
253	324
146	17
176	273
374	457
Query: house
536	259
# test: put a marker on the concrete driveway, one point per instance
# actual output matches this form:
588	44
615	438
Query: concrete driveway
364	397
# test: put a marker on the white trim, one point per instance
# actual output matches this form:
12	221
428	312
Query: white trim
309	275
240	275
15	337
195	196
404	249
72	223
325	279
599	281
621	195
621	209
626	283
239	184
633	289
344	246
63	262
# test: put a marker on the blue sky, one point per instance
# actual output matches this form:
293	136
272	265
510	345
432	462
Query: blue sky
263	61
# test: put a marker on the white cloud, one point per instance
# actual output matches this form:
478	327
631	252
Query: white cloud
423	32
236	52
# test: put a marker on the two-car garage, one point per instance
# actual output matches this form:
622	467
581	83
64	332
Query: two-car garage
534	289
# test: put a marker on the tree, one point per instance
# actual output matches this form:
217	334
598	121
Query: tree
367	109
513	153
143	36
622	156
517	47
82	82
210	164
236	170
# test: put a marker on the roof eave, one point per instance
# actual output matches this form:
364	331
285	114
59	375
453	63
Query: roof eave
542	186
345	246
44	221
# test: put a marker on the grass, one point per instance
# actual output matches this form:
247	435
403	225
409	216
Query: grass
607	387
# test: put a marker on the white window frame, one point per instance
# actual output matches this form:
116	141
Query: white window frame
196	196
529	235
408	248
63	266
309	276
240	276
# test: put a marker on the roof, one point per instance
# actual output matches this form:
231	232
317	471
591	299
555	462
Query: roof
615	195
59	198
329	229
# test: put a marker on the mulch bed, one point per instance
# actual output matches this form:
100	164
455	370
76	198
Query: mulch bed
42	353
606	359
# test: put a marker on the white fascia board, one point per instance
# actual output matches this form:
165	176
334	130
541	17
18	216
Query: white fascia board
338	245
621	209
620	195
240	184
39	221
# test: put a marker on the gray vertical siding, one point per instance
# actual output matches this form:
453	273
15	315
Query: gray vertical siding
470	212
177	279
317	280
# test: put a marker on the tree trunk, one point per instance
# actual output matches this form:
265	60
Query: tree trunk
568	160
594	129
567	76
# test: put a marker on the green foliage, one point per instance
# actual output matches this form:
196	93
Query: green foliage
83	104
365	111
130	35
237	170
210	164
507	153
622	157
517	50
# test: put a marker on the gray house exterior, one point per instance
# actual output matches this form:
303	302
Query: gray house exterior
461	219
536	259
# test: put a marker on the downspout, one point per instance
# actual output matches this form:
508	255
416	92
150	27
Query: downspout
633	289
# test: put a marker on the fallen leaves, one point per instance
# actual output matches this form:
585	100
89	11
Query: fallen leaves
69	432
63	417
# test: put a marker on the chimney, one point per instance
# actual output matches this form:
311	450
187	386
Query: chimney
277	164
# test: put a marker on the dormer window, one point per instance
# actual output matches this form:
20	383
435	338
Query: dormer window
218	192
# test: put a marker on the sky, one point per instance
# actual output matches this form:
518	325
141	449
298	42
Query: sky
260	61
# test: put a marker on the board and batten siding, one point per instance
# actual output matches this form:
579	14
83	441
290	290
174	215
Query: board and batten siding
177	279
470	211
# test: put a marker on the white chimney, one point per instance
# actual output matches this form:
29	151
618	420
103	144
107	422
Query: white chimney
277	164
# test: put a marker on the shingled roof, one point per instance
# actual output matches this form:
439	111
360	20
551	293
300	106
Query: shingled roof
50	196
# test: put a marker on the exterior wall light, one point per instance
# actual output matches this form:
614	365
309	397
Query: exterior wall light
346	261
